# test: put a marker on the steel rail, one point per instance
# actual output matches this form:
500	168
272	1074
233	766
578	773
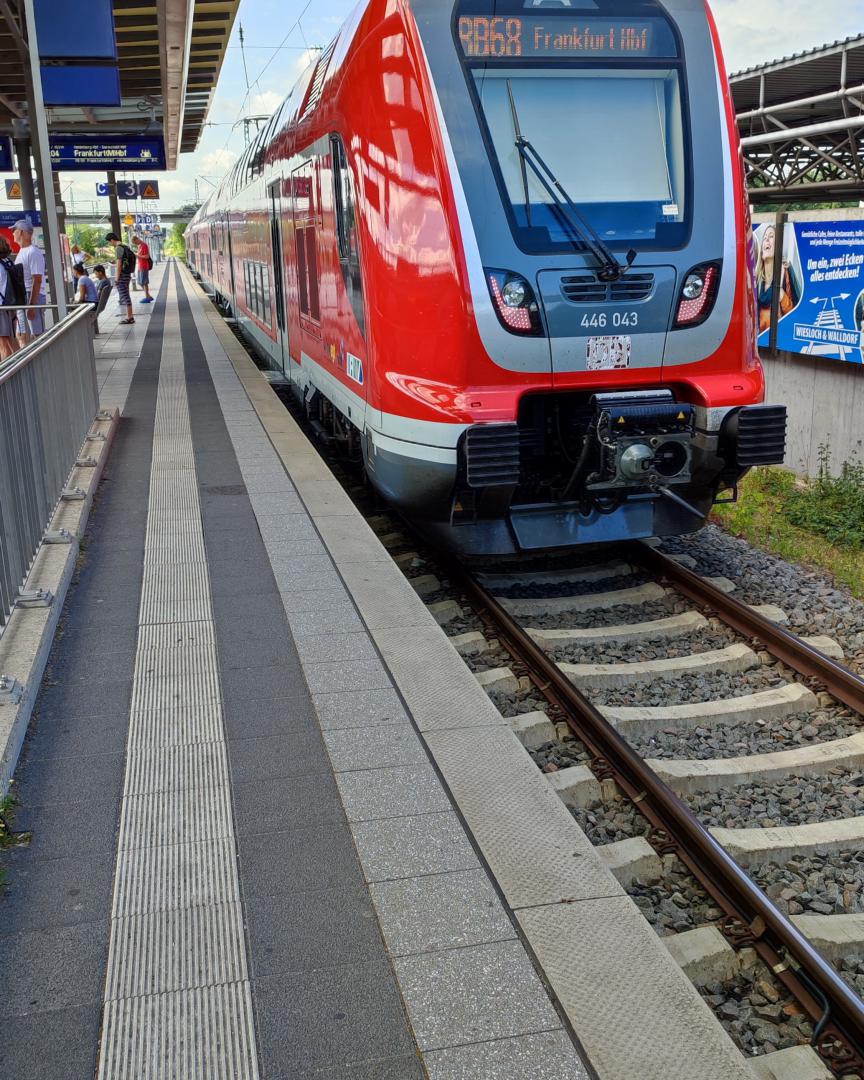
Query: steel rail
788	647
753	919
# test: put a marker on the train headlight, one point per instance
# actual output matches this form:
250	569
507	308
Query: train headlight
693	286
515	303
514	294
698	294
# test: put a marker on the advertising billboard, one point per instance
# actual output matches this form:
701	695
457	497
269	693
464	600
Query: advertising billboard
821	288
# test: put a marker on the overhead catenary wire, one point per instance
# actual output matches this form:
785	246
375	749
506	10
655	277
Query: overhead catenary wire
260	74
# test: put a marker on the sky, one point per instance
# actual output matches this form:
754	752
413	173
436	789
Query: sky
279	35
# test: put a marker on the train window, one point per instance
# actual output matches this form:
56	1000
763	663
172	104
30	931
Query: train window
346	228
265	294
626	170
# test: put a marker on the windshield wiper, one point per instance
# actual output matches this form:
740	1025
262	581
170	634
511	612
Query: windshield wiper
610	267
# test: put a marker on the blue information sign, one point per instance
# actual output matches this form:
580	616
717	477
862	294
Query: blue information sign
80	84
88	153
63	33
126	189
6	163
9	217
821	288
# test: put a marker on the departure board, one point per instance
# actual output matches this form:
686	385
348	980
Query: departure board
529	37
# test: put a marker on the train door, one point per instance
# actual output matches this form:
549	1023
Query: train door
307	224
229	275
274	195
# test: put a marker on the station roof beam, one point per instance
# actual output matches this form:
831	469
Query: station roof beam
801	121
170	54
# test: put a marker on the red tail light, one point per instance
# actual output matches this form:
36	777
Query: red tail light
698	295
515	303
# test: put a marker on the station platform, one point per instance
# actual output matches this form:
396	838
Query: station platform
192	902
276	828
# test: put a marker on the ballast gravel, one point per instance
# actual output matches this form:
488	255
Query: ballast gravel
691	688
812	602
820	884
851	970
795	800
638	652
554	756
676	903
757	1012
530	590
614	616
609	822
740	740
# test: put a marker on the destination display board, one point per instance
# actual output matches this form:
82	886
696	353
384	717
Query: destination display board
557	37
89	153
821	303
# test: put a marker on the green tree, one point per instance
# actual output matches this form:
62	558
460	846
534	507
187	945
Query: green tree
87	237
176	242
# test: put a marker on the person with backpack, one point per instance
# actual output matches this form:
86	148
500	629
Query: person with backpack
123	274
31	321
145	265
11	292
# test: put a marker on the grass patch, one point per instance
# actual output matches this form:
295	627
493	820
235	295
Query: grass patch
819	523
7	837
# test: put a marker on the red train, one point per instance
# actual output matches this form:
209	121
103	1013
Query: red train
501	251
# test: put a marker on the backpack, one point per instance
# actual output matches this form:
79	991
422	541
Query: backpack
127	260
149	263
15	292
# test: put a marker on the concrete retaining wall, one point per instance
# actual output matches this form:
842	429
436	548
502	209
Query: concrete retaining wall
825	399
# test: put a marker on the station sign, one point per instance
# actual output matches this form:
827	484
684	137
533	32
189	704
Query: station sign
6	163
13	189
89	153
126	189
9	217
146	219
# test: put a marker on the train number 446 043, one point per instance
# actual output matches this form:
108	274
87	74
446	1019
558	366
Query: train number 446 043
617	318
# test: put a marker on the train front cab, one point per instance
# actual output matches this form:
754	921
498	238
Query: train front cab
595	169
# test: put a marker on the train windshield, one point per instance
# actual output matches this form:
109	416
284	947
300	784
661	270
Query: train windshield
612	137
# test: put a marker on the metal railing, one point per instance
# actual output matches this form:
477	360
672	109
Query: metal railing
48	400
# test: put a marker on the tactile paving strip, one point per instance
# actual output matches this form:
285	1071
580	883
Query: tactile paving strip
177	996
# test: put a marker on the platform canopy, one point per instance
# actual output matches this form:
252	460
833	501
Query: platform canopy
170	55
802	124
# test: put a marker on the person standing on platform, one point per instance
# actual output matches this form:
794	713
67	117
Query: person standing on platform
78	256
145	265
123	274
8	341
31	321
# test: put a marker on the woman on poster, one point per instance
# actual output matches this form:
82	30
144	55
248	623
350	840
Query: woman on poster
790	284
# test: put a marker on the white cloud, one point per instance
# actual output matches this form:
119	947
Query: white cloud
265	103
755	33
216	161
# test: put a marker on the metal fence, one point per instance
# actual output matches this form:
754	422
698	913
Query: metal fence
48	399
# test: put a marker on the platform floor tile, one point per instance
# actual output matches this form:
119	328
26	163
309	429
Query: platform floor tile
549	1055
398	791
473	994
443	911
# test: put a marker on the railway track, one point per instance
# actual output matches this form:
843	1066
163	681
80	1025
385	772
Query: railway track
545	619
531	631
